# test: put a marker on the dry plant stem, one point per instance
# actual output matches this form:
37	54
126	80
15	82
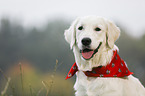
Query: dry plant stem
30	90
52	76
38	94
33	91
47	86
6	87
10	84
21	78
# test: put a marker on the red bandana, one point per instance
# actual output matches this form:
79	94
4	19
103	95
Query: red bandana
116	68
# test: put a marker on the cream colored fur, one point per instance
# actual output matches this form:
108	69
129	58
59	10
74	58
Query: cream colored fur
99	86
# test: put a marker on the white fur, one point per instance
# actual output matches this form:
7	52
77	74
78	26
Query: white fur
99	86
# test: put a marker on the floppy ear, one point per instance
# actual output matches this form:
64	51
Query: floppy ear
70	33
113	34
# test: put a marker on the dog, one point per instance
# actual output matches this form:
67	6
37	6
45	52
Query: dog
99	69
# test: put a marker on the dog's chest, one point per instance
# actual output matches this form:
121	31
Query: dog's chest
99	85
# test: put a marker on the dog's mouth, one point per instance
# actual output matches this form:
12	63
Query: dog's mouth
89	53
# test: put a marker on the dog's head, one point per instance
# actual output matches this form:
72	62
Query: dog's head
90	33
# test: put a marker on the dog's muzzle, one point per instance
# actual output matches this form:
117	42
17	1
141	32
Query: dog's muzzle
88	53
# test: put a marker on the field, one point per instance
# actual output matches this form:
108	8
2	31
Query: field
28	65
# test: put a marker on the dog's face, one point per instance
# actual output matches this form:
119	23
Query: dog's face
90	33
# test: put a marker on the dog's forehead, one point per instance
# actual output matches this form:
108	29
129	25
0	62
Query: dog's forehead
92	21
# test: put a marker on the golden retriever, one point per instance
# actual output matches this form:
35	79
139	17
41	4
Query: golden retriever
92	39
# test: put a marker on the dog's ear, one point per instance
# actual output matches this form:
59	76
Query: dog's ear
70	33
113	34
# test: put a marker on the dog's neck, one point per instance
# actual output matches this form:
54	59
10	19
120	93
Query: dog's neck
102	58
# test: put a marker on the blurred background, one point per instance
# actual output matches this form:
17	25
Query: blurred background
35	58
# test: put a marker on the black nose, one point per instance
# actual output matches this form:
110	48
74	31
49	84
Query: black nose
86	41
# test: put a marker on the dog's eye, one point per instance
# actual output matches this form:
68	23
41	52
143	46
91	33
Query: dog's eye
97	29
80	28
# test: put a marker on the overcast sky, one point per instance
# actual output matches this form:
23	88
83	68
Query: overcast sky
129	13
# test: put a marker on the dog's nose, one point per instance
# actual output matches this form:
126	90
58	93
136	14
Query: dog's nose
86	41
